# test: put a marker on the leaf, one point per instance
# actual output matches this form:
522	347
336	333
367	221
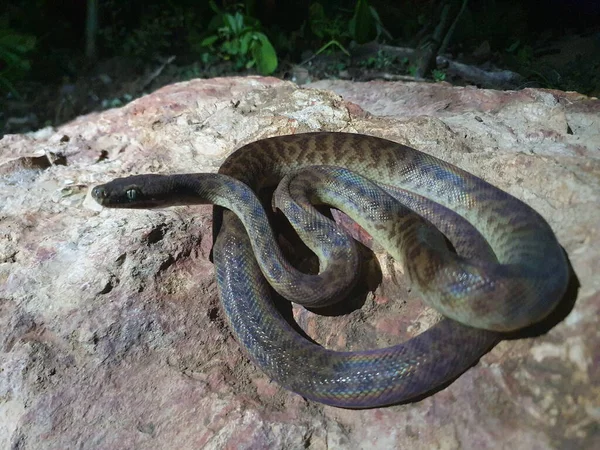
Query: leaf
245	41
214	7
333	43
235	23
208	41
264	54
19	43
230	47
13	60
362	26
513	46
316	19
9	87
229	21
379	25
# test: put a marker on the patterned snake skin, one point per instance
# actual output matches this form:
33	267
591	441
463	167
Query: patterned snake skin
483	288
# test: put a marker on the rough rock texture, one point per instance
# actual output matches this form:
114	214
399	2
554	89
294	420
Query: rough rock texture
110	331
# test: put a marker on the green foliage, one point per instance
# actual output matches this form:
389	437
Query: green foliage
366	25
521	54
336	30
14	63
333	43
237	38
324	27
438	75
380	61
413	70
362	24
116	102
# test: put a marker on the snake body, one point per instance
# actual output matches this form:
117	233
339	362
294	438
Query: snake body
514	279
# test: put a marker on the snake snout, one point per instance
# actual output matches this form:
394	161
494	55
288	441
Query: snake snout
99	193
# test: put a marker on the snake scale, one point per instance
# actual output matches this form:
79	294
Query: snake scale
503	271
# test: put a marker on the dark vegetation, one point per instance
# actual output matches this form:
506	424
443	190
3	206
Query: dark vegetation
63	58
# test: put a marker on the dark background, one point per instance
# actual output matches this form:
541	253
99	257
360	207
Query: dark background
50	74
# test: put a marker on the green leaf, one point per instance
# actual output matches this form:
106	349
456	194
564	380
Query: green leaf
209	41
230	47
214	7
438	75
229	21
245	41
332	43
264	54
19	43
9	87
513	46
235	23
362	26
13	60
239	23
316	19
379	25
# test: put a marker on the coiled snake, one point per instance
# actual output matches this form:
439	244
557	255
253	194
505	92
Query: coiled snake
483	290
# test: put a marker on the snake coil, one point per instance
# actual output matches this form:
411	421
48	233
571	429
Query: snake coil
508	270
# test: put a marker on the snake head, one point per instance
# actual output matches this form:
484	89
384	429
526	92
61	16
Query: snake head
138	192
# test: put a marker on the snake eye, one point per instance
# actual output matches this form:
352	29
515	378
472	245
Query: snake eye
132	194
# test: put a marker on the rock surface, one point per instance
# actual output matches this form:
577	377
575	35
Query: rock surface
111	334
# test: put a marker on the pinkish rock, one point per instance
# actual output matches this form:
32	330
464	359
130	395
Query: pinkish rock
111	333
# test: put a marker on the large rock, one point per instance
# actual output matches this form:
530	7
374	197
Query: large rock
111	334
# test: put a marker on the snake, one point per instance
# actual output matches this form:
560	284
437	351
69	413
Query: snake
488	262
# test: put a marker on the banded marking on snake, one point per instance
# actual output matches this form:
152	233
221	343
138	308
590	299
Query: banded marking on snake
507	270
